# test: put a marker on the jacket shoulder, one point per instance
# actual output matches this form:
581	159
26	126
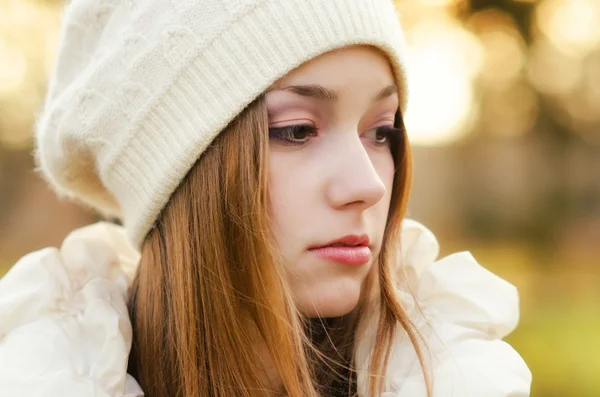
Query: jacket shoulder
64	326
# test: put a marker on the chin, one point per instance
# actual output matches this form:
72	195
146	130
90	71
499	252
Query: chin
331	299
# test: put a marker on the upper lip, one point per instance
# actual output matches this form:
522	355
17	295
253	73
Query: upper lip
351	240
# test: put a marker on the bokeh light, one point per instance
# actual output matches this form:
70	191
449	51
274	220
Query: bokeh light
13	69
573	26
444	59
504	48
28	32
551	71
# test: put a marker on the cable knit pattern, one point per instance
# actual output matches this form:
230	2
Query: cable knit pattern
64	328
140	88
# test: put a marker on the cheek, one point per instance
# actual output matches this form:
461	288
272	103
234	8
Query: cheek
290	190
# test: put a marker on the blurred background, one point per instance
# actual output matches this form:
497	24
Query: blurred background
504	117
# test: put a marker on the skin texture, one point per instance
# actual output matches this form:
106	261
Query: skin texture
335	181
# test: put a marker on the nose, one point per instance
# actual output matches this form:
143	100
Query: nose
354	181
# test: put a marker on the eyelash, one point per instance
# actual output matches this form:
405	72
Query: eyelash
287	133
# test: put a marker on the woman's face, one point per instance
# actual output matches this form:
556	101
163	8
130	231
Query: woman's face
331	173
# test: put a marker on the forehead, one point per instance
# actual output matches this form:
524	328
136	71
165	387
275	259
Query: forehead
343	70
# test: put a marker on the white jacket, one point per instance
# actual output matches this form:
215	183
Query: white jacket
65	330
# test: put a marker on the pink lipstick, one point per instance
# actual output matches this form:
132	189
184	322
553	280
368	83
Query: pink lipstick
350	250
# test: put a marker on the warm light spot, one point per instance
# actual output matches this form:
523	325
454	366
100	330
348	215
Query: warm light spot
504	57
504	47
571	25
28	32
551	71
13	69
444	58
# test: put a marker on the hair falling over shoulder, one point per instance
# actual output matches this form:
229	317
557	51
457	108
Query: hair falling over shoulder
210	288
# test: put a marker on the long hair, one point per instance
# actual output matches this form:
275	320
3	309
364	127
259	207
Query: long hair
210	287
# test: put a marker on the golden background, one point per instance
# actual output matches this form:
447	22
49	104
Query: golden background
504	118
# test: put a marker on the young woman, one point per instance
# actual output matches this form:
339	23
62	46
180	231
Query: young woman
255	154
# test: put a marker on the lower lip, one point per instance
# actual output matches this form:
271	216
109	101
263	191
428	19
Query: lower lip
353	256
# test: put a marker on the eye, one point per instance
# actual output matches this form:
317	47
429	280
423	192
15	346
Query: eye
382	135
293	134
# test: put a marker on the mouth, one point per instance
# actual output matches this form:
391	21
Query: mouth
350	250
351	240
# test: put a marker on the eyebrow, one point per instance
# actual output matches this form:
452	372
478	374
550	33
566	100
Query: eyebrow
321	93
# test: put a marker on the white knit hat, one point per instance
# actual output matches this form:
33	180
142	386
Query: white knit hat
141	87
